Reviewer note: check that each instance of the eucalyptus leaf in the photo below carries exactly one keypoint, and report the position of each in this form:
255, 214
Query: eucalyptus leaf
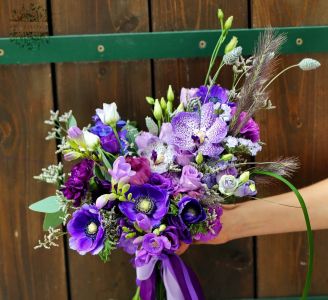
47, 205
132, 133
71, 121
53, 220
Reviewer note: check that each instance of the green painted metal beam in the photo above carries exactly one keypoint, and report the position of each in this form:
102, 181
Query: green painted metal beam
150, 45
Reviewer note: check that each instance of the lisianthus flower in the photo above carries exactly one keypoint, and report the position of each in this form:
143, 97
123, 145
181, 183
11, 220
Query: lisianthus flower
76, 186
142, 168
205, 132
250, 129
82, 139
108, 115
191, 211
85, 228
122, 171
148, 200
246, 189
215, 94
228, 184
190, 179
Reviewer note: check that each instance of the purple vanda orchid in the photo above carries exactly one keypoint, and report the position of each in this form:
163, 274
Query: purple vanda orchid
202, 132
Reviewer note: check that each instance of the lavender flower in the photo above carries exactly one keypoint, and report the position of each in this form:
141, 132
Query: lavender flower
204, 132
148, 200
87, 233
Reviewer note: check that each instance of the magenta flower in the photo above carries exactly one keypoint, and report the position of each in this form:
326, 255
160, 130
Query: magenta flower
250, 129
199, 132
142, 168
121, 170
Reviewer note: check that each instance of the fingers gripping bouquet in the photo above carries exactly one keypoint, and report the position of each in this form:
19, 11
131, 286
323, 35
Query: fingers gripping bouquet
146, 192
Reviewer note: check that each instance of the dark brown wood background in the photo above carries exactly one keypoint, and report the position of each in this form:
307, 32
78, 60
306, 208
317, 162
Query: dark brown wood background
265, 266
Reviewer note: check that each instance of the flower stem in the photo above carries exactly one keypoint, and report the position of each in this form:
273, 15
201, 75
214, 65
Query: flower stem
283, 71
117, 137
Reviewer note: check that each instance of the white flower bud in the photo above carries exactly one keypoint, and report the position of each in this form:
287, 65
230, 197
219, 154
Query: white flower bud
91, 140
108, 115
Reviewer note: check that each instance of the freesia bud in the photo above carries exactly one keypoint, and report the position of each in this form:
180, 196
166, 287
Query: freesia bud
71, 155
156, 231
103, 200
157, 110
220, 14
130, 235
125, 188
244, 177
170, 94
180, 108
108, 115
199, 158
150, 100
228, 23
162, 227
231, 45
91, 140
227, 157
163, 104
169, 107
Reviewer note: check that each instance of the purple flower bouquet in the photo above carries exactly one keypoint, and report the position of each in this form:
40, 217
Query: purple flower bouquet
147, 192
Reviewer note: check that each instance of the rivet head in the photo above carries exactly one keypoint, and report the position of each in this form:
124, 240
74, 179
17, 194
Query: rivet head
202, 44
101, 48
299, 41
2, 52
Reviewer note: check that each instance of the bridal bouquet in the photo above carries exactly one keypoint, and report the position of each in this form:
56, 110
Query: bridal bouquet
146, 192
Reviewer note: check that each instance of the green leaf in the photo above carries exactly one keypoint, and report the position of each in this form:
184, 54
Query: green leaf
47, 205
107, 250
53, 220
308, 280
71, 121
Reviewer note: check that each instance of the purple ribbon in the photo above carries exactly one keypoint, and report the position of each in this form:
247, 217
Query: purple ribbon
180, 281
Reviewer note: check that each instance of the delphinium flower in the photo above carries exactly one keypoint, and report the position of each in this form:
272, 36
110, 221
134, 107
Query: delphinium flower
108, 139
86, 231
214, 94
148, 200
76, 187
199, 132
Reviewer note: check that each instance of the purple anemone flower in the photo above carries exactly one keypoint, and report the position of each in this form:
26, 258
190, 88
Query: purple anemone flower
191, 211
148, 200
205, 131
87, 233
182, 230
215, 94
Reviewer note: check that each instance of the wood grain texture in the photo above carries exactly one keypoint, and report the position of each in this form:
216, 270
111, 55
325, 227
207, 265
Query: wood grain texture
298, 127
84, 87
224, 271
25, 101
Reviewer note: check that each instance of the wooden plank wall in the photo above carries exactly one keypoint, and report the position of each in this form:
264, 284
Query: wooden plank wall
272, 266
